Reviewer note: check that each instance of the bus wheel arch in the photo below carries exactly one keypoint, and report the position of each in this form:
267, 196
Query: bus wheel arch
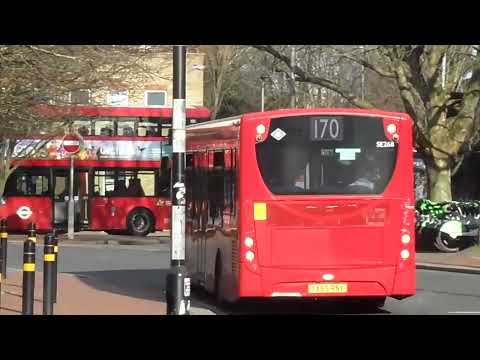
140, 221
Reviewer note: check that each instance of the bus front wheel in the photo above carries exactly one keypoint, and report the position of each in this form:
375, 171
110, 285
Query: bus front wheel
140, 222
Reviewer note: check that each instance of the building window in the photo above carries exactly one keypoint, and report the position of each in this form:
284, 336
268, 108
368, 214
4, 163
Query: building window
117, 98
155, 98
80, 97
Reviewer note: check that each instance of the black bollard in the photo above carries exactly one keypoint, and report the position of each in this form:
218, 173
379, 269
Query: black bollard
29, 271
55, 266
3, 246
48, 274
3, 255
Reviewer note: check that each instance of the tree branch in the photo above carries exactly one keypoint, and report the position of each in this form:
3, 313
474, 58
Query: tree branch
52, 53
302, 76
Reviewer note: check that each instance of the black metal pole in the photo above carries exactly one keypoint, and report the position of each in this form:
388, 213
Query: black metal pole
55, 266
29, 271
178, 282
4, 246
48, 274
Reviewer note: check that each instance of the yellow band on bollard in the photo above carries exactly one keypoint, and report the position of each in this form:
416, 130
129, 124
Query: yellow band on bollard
29, 267
49, 257
55, 249
3, 235
32, 238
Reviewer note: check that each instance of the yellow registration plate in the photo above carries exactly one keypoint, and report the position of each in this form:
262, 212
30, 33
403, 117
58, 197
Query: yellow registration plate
327, 288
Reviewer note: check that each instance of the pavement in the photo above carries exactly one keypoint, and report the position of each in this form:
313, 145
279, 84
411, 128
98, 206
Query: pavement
464, 261
80, 294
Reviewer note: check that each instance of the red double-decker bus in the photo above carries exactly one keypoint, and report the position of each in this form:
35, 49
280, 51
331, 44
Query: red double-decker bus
121, 177
302, 203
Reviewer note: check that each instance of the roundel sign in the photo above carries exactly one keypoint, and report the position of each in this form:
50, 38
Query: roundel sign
24, 212
71, 143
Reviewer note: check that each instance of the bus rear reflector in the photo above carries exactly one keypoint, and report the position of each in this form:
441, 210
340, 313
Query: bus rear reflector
260, 211
288, 294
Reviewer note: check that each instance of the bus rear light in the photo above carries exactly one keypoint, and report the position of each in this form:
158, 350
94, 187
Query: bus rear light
405, 254
248, 242
261, 129
392, 129
405, 239
250, 255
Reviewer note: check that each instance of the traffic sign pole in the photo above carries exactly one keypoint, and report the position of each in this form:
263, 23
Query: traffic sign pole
178, 282
71, 144
71, 202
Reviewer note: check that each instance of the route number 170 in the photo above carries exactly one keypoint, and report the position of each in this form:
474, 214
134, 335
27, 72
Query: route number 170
326, 129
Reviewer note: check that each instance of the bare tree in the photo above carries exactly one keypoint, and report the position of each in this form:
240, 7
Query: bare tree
434, 92
222, 65
32, 76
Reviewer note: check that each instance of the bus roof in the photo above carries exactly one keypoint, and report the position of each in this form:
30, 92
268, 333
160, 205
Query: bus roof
336, 111
164, 112
235, 120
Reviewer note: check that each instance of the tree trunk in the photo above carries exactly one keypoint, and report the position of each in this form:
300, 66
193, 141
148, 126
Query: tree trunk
439, 181
3, 182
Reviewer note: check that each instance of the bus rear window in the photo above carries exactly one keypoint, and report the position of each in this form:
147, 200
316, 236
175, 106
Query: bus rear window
326, 155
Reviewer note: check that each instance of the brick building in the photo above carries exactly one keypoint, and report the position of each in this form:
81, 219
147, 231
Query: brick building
150, 90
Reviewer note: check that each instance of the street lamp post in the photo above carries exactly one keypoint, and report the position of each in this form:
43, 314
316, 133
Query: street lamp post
263, 78
178, 282
293, 63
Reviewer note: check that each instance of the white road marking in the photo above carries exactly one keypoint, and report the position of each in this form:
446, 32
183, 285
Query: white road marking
464, 312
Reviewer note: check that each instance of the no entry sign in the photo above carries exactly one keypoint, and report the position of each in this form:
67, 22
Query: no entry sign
71, 143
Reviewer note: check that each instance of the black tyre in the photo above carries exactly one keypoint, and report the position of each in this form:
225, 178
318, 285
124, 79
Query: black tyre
444, 243
372, 303
140, 222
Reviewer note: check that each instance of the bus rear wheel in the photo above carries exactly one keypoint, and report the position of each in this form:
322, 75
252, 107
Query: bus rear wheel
139, 222
371, 303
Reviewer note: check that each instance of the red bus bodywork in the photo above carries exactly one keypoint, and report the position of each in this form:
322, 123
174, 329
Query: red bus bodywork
104, 212
300, 242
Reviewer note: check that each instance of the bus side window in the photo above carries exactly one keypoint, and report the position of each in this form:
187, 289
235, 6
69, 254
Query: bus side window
189, 181
32, 183
164, 178
216, 187
229, 176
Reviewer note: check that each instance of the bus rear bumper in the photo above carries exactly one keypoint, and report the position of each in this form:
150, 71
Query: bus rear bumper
275, 282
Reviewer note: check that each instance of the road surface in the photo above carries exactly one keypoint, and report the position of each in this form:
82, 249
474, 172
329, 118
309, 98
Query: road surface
139, 271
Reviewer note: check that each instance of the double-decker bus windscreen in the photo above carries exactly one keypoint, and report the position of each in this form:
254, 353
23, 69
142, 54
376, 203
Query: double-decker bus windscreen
326, 155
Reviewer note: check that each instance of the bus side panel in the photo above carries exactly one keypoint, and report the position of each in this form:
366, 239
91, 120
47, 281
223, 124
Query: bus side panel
39, 206
112, 213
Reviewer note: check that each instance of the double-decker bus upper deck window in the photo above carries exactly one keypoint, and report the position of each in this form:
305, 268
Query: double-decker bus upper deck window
148, 127
83, 126
126, 126
104, 126
326, 155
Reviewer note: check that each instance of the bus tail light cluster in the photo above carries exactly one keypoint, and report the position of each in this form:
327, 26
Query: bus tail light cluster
392, 132
406, 240
249, 252
261, 132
